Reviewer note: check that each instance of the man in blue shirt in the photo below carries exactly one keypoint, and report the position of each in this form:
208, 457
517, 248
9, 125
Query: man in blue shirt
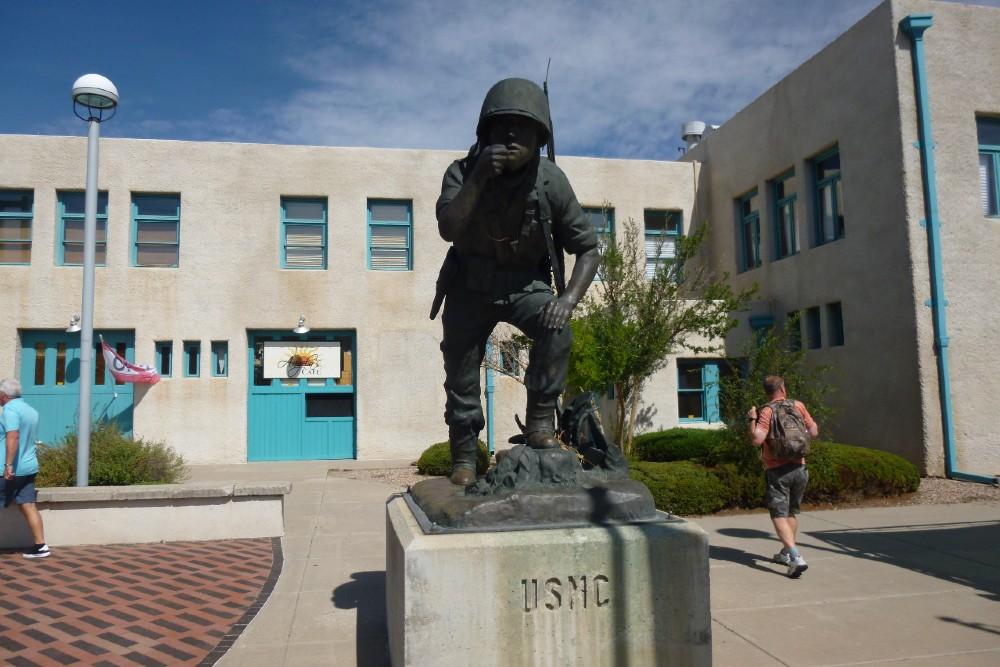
19, 424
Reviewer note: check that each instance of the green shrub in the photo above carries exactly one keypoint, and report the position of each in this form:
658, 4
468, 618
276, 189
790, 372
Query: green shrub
115, 460
681, 487
677, 444
841, 472
837, 473
436, 460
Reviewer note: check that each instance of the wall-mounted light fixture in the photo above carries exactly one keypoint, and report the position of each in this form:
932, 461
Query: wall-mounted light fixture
74, 324
302, 328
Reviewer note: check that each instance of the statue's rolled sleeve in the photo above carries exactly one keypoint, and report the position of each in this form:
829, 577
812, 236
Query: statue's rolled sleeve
450, 185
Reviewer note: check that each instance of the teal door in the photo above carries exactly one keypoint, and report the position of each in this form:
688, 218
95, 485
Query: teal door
50, 380
298, 418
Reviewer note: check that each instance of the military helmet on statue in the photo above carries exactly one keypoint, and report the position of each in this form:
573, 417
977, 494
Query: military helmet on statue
518, 97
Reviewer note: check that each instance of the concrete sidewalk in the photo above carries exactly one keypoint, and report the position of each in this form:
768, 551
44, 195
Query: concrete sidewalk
915, 585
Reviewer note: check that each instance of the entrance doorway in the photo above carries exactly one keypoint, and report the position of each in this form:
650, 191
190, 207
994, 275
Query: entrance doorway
50, 380
301, 403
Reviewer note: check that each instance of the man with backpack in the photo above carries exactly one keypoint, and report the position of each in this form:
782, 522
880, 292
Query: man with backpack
784, 428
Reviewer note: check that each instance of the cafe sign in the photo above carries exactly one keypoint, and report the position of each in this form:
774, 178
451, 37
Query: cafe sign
315, 359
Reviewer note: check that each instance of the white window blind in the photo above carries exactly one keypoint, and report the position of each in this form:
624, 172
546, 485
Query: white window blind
659, 250
390, 247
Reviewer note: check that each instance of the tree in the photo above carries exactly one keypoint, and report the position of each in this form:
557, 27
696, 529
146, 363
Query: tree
629, 324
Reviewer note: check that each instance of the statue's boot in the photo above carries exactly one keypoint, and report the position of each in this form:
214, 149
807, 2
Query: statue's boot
464, 449
539, 421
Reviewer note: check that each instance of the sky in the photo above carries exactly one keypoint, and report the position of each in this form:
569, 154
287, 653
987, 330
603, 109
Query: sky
383, 73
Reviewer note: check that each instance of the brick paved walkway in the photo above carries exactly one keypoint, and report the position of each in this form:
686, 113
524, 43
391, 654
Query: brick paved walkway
178, 603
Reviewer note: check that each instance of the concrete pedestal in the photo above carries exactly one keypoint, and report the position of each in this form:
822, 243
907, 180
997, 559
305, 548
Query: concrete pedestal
606, 595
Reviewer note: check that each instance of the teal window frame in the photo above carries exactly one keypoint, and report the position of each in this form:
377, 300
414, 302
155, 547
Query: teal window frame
62, 217
603, 220
321, 224
655, 240
606, 216
708, 391
988, 136
835, 184
374, 223
760, 325
138, 218
192, 358
749, 223
814, 329
28, 215
784, 205
220, 352
164, 350
835, 324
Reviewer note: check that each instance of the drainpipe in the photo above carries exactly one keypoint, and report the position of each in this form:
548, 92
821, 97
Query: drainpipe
914, 26
490, 388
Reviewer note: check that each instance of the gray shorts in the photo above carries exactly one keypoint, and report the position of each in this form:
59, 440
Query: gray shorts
20, 489
785, 487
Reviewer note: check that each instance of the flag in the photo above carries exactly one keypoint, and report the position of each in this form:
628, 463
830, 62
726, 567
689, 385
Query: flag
123, 371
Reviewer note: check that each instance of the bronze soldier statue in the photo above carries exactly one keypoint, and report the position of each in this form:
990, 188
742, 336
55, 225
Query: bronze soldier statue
509, 216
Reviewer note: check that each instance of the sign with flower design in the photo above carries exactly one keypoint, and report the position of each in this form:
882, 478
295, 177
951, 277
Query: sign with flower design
311, 359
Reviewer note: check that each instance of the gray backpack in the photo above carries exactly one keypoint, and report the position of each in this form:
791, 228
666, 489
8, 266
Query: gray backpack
788, 436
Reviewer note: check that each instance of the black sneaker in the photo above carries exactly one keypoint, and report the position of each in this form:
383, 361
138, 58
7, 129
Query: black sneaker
38, 551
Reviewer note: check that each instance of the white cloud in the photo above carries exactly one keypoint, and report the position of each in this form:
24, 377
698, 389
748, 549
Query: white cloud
624, 75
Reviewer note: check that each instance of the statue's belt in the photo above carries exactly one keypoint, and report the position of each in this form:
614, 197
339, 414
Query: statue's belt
482, 274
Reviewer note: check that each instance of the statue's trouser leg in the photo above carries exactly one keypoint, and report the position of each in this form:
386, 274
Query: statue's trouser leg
548, 363
467, 324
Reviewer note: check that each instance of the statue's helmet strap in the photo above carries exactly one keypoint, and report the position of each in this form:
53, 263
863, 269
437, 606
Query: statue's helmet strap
519, 97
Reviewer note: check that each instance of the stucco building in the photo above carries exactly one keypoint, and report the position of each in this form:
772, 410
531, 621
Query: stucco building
208, 255
210, 252
818, 195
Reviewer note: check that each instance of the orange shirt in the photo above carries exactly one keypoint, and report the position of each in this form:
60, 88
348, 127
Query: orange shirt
764, 422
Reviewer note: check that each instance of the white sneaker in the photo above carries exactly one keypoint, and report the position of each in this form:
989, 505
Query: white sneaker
781, 558
796, 567
37, 552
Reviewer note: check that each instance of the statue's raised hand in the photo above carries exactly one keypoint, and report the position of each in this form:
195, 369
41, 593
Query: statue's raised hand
492, 162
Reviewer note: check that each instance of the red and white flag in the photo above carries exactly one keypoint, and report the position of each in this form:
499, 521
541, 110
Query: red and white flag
123, 371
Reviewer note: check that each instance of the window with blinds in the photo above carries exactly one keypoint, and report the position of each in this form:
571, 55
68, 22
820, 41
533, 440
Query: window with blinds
603, 220
784, 189
390, 235
71, 212
156, 230
16, 212
303, 232
662, 228
748, 219
988, 131
829, 195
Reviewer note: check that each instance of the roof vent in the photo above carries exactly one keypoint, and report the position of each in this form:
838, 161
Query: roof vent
692, 132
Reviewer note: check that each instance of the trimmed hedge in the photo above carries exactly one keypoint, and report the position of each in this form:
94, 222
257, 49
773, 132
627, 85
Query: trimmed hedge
837, 473
115, 460
681, 487
677, 444
436, 460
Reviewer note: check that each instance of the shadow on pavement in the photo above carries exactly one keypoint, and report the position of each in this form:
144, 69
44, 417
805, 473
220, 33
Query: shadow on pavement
985, 627
366, 593
960, 552
942, 550
741, 557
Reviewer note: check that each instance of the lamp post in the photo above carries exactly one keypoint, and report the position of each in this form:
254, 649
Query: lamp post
95, 99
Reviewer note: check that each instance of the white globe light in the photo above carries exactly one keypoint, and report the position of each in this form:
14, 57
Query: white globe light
95, 92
